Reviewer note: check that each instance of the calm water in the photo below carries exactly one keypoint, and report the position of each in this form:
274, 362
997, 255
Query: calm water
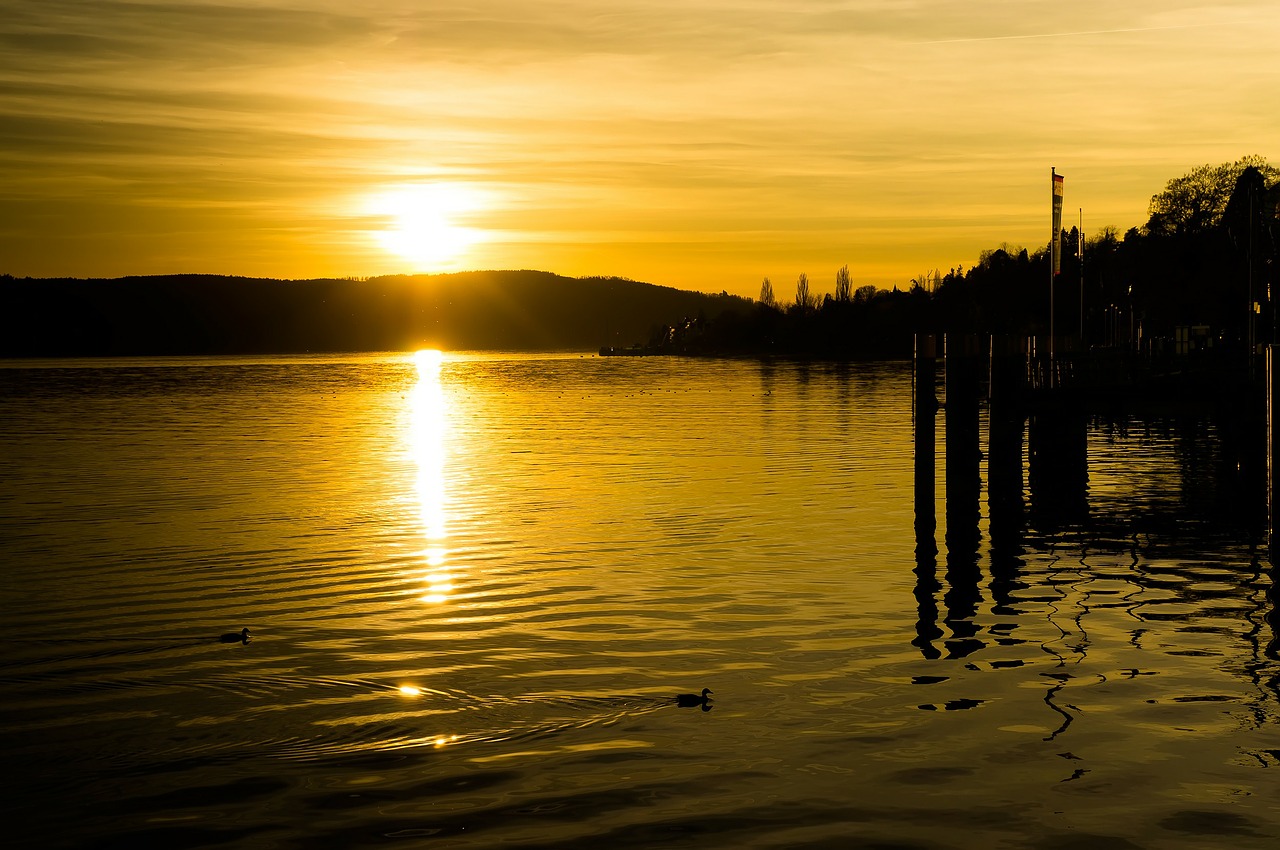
475, 586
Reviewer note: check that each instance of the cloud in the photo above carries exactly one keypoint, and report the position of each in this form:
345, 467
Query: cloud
53, 34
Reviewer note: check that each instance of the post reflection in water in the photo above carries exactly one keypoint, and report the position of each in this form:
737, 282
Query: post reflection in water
429, 424
963, 494
924, 412
1087, 524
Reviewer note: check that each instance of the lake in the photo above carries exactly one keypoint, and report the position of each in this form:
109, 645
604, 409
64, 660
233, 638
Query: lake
475, 583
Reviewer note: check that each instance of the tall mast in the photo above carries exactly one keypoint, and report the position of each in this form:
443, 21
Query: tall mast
1080, 253
1055, 250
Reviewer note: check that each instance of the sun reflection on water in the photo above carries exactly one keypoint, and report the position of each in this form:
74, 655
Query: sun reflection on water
429, 418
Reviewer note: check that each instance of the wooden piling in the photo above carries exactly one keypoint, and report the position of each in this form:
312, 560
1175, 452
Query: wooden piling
1273, 422
963, 455
924, 406
1005, 427
965, 368
924, 411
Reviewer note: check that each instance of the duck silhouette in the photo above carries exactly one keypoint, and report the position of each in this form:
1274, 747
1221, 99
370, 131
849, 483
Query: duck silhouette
694, 700
241, 636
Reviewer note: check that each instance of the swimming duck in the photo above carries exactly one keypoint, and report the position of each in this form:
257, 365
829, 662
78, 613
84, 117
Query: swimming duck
241, 636
693, 700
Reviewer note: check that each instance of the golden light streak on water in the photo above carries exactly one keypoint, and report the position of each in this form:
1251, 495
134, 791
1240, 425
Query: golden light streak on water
429, 429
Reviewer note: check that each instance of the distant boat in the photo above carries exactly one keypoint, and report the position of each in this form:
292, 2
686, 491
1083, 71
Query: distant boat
636, 350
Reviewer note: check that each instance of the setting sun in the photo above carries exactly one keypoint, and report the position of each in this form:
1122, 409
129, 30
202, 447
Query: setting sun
422, 223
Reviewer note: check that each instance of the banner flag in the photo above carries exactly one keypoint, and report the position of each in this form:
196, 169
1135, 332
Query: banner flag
1055, 244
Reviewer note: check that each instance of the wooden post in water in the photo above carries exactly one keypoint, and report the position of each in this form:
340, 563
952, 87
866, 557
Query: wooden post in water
964, 477
1273, 423
1006, 424
924, 406
1007, 375
963, 493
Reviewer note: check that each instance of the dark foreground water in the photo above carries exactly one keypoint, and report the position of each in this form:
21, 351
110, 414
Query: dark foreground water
475, 584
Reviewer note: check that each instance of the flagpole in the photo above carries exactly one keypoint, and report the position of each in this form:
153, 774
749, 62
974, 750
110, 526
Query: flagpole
1053, 247
1080, 251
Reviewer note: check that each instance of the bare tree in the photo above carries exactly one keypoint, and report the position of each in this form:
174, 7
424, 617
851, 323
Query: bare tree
931, 281
766, 294
844, 284
805, 300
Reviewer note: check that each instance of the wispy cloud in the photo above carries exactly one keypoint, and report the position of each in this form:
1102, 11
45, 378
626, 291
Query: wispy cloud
1077, 33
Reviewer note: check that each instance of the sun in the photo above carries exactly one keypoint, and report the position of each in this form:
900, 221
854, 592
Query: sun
422, 223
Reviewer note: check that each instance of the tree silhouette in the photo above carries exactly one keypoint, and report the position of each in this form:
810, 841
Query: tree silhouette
805, 300
1196, 202
766, 294
844, 285
1252, 230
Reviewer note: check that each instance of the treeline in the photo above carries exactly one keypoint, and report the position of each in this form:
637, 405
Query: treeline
851, 324
1206, 259
1201, 270
210, 314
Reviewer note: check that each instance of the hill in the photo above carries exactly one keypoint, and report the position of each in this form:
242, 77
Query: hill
211, 314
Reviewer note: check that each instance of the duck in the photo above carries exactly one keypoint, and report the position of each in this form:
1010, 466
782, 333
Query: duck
241, 636
694, 700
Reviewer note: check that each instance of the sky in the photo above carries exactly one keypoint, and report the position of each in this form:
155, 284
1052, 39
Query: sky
702, 145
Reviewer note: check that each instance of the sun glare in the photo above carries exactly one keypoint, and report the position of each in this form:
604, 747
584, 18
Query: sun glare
429, 408
422, 223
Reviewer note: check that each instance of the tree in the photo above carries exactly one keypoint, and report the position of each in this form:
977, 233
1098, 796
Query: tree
1105, 239
844, 284
766, 294
1252, 234
1196, 202
1245, 215
805, 300
865, 293
930, 281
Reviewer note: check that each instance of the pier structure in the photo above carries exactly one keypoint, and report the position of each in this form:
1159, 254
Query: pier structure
1037, 413
1273, 444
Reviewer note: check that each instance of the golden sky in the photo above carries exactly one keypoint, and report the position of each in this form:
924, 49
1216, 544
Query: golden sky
703, 145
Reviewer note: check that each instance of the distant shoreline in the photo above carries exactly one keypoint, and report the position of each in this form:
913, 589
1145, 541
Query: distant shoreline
180, 315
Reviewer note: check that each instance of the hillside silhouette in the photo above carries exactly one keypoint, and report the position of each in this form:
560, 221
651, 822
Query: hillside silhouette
212, 314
